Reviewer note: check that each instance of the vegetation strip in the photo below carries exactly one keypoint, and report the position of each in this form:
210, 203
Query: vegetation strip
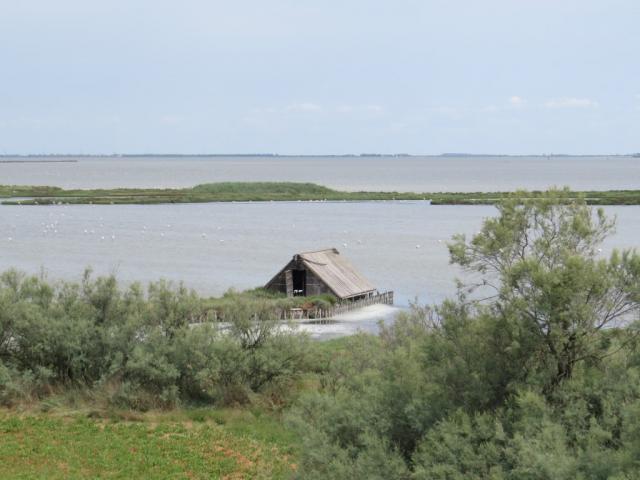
274, 191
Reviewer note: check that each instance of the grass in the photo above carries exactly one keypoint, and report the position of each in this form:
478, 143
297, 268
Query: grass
268, 191
276, 300
191, 443
74, 435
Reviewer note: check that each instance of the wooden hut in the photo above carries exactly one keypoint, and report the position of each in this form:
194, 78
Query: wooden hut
322, 271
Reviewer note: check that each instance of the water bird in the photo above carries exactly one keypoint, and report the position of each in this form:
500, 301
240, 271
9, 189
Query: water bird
204, 235
417, 246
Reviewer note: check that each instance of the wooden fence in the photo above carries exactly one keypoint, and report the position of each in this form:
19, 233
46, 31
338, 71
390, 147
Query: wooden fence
385, 298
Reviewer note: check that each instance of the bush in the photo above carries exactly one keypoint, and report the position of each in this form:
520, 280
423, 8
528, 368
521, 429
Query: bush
141, 351
541, 380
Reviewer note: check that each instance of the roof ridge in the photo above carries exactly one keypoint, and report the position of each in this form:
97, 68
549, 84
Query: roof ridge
335, 250
333, 270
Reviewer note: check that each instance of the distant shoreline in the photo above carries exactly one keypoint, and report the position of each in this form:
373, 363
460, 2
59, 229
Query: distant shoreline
73, 156
271, 192
39, 161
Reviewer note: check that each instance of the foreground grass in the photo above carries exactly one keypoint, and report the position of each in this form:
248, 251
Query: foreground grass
271, 191
73, 434
200, 443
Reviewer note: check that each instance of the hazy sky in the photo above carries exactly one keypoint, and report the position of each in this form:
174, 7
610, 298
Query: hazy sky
325, 76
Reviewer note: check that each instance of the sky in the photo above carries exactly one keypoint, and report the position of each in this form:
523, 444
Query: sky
319, 77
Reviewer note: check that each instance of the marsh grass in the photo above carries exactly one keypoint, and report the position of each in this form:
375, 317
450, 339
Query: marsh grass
271, 191
276, 300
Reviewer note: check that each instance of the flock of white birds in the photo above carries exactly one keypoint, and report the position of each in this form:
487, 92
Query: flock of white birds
55, 227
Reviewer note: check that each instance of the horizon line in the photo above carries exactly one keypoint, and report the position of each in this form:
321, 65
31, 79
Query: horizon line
356, 155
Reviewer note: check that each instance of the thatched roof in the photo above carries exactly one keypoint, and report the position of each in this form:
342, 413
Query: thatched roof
335, 271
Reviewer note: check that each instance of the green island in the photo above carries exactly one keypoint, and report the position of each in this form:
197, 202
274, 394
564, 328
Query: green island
272, 191
540, 380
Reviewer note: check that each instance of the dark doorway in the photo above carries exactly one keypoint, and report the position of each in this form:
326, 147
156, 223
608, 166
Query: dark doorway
299, 283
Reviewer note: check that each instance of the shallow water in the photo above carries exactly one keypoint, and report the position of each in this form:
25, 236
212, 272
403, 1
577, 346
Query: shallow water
419, 173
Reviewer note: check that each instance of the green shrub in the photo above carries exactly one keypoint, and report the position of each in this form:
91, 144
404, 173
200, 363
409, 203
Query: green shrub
140, 350
540, 380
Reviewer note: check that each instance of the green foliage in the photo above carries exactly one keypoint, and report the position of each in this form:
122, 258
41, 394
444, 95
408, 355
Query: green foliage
462, 447
540, 380
552, 292
140, 350
263, 188
260, 298
276, 191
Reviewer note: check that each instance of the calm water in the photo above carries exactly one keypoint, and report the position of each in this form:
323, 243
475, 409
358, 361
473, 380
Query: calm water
211, 247
422, 174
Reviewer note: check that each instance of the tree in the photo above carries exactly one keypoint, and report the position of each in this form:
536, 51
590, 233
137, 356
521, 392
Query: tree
540, 258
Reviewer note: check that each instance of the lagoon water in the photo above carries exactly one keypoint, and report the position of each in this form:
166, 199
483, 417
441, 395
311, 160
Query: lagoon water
211, 247
399, 246
415, 173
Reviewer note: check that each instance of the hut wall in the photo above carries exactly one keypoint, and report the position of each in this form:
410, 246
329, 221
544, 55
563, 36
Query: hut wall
314, 286
279, 283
